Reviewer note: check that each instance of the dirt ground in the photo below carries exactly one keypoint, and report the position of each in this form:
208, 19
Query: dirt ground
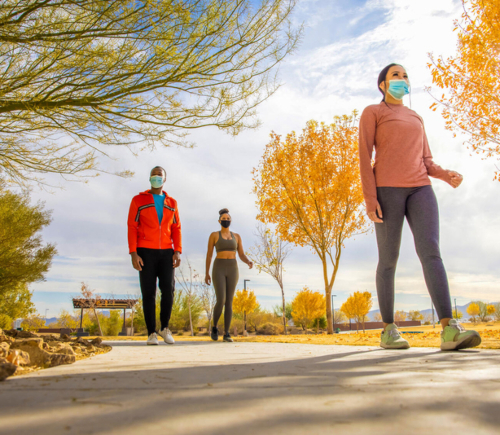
423, 336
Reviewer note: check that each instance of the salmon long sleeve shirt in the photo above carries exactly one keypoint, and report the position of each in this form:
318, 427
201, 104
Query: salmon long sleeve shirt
402, 154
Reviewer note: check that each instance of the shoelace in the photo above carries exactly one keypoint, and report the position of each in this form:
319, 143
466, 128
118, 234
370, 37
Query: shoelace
394, 333
458, 326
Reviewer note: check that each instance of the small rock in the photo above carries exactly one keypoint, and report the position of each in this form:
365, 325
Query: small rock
6, 369
96, 341
20, 334
81, 340
4, 349
6, 339
18, 357
65, 337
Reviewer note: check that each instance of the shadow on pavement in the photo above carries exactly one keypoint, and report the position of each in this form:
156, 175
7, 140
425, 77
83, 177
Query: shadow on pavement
351, 388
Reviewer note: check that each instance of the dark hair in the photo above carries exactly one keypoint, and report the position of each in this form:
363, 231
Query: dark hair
383, 75
223, 211
159, 167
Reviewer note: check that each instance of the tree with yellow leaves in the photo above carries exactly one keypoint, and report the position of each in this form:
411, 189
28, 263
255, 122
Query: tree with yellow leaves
415, 315
308, 186
244, 303
471, 79
307, 306
473, 311
490, 309
357, 307
111, 72
400, 316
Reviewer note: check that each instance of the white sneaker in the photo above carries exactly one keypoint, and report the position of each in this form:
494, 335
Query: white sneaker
167, 336
152, 339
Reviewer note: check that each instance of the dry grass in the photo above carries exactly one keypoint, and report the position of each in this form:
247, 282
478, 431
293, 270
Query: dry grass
430, 337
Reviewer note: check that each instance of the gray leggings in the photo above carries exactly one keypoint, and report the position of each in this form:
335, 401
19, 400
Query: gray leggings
420, 207
225, 276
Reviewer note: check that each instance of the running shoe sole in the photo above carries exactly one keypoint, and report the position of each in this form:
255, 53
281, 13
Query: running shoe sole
465, 343
397, 346
228, 340
152, 344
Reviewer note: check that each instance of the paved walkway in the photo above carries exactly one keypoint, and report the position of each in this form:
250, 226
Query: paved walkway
258, 388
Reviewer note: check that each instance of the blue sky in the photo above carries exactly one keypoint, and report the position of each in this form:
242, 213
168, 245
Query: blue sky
346, 43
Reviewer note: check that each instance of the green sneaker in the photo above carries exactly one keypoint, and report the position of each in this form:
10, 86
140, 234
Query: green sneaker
455, 337
391, 338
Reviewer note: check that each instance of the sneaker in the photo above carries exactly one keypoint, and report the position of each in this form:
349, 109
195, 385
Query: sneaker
455, 337
391, 338
167, 336
214, 335
152, 339
227, 337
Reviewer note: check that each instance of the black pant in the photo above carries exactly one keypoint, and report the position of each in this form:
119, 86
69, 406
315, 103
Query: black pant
158, 265
419, 206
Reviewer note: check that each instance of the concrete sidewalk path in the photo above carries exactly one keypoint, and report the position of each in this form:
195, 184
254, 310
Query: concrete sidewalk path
220, 388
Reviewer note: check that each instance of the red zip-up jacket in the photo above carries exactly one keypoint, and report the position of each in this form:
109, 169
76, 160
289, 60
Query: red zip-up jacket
144, 230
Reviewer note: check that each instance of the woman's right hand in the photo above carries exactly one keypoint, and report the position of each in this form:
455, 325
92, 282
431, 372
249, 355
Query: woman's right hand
208, 280
373, 215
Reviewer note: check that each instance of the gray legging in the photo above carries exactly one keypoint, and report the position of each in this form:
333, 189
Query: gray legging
420, 207
225, 277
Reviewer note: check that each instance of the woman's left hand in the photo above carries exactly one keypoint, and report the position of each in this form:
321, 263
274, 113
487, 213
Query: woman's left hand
456, 178
250, 264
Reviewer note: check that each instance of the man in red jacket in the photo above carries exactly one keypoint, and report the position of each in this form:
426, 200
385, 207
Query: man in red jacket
154, 239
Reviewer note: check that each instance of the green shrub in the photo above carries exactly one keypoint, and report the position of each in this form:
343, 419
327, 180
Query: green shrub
270, 329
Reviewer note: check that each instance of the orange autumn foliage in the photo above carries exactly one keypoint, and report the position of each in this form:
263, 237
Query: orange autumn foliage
472, 79
309, 187
357, 307
307, 306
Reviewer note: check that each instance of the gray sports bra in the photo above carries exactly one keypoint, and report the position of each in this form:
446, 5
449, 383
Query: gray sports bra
226, 245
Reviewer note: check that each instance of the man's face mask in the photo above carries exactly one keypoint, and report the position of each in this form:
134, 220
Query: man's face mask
156, 181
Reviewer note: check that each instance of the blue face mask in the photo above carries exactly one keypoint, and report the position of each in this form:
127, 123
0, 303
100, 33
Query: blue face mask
156, 181
398, 89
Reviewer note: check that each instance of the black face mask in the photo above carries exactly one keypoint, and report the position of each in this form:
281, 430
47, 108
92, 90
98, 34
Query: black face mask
225, 224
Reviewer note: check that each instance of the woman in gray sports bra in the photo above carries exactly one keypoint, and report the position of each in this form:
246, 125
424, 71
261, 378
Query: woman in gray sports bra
225, 271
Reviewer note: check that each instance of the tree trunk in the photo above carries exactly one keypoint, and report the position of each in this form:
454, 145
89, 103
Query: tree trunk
284, 316
317, 325
98, 323
245, 319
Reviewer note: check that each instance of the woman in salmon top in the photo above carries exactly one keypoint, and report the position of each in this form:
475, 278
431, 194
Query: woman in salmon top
398, 186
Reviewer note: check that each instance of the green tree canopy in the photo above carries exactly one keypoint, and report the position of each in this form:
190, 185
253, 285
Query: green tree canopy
24, 258
77, 75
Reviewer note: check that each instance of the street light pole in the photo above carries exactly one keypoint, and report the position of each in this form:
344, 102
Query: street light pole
456, 312
245, 284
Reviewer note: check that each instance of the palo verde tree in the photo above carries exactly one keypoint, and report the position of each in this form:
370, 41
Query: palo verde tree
78, 75
471, 79
268, 255
309, 187
24, 258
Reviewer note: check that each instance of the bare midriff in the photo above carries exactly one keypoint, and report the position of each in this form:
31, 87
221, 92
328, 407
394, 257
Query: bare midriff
226, 255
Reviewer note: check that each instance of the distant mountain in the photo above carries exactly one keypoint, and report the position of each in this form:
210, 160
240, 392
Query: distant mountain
460, 308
